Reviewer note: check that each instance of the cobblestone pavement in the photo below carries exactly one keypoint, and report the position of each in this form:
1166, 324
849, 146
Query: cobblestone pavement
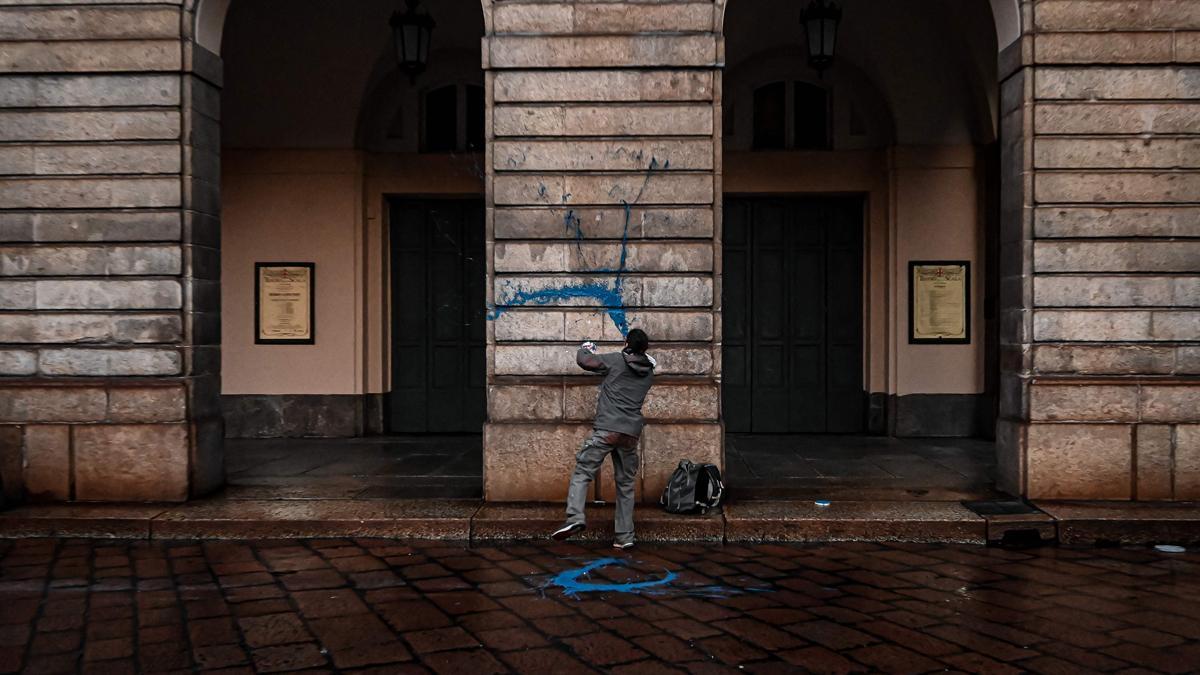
398, 607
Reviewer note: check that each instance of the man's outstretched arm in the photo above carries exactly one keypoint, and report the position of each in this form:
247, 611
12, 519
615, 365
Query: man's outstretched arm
588, 359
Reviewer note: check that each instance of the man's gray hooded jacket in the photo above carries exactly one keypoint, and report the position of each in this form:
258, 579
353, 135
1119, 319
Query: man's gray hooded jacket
627, 378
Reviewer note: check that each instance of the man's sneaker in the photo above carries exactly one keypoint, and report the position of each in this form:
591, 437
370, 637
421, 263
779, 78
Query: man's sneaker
621, 546
566, 531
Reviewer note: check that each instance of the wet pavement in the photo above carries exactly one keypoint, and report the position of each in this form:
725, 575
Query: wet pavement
811, 466
394, 606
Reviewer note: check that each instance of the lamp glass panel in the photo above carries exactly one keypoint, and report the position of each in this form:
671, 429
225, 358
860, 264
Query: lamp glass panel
813, 28
829, 30
411, 42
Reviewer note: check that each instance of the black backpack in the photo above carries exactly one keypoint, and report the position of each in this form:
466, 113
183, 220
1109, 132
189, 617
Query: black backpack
693, 488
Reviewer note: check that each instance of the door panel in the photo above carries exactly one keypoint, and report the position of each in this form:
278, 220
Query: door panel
792, 312
437, 317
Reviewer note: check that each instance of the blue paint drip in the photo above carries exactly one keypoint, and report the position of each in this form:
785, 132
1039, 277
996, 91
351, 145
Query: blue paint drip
571, 585
609, 298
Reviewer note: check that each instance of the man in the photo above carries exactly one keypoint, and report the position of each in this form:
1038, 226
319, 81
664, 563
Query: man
628, 375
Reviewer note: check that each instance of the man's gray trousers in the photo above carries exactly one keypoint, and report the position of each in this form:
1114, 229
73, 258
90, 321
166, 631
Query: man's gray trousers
587, 464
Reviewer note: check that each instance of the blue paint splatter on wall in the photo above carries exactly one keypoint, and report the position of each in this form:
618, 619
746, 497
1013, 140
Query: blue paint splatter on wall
607, 295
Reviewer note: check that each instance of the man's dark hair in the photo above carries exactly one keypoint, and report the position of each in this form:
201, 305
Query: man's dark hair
636, 341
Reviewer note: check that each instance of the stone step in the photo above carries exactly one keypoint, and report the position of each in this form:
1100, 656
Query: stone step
1090, 523
794, 520
1076, 523
501, 522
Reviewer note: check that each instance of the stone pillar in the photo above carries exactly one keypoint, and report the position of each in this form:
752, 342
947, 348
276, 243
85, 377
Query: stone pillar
602, 214
107, 267
1104, 397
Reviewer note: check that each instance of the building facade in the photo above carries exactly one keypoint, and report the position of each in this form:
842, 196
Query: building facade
562, 171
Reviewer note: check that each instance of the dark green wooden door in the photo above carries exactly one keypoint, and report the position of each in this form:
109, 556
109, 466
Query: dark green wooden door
437, 272
792, 311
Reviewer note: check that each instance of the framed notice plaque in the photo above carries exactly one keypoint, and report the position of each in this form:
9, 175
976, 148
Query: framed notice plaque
283, 303
939, 302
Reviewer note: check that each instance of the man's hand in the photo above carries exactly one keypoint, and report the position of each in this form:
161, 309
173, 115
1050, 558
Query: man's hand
589, 347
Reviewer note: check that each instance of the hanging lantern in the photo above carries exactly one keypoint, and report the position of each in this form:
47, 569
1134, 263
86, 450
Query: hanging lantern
411, 31
820, 21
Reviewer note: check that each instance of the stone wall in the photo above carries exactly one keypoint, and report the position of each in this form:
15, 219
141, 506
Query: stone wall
1101, 134
109, 333
603, 182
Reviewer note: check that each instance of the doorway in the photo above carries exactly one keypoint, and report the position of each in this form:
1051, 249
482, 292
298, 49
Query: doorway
792, 306
437, 328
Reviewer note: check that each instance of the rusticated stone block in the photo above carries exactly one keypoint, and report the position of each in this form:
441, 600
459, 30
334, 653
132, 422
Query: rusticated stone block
1158, 221
533, 18
603, 85
1092, 153
89, 226
599, 51
88, 23
1091, 326
658, 188
52, 404
91, 126
1106, 47
93, 90
1100, 188
598, 17
529, 462
96, 362
90, 56
663, 445
48, 462
1143, 256
17, 295
1081, 403
516, 325
18, 362
674, 326
147, 404
76, 328
1187, 461
104, 159
131, 462
1170, 403
85, 193
677, 292
513, 359
1187, 360
1181, 326
615, 120
1079, 461
1088, 15
1153, 461
589, 257
1103, 360
602, 223
1116, 118
1116, 83
1114, 291
525, 403
109, 294
608, 155
664, 403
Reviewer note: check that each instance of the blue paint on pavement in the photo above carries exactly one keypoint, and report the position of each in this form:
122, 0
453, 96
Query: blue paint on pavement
571, 585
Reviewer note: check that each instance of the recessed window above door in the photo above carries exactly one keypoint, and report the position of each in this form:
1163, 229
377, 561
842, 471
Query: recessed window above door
452, 118
801, 123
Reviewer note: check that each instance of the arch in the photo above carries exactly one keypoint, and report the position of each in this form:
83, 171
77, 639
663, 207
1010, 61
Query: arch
1006, 17
210, 22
